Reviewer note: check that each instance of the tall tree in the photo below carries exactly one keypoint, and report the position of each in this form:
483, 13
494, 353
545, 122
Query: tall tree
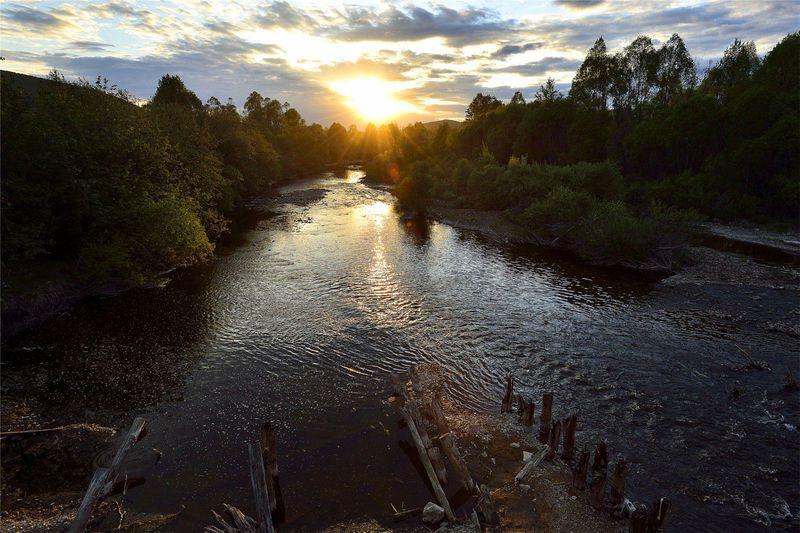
676, 72
548, 92
517, 99
592, 82
738, 64
482, 104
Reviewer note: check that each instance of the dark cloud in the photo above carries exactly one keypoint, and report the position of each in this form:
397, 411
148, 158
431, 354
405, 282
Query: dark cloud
541, 67
413, 23
89, 46
579, 4
511, 49
28, 19
282, 14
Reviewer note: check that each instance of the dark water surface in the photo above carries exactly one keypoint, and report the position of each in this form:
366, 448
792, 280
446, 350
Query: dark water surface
302, 320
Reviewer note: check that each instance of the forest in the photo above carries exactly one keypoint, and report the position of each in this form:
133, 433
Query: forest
621, 168
125, 191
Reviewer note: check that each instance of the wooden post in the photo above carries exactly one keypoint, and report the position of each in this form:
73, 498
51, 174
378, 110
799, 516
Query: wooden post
599, 473
569, 438
105, 477
545, 418
579, 474
527, 410
258, 483
555, 437
507, 399
269, 454
640, 519
618, 482
406, 410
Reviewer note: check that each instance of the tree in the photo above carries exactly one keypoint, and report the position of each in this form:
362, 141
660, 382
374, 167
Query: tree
738, 64
548, 92
482, 104
676, 72
634, 74
592, 82
172, 91
517, 99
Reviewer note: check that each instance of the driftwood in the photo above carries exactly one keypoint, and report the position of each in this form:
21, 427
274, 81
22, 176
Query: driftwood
531, 464
269, 455
599, 472
399, 516
505, 407
545, 418
579, 473
104, 479
239, 522
555, 437
409, 409
569, 426
258, 483
618, 482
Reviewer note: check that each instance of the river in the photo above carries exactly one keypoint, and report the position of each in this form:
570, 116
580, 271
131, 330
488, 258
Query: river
319, 296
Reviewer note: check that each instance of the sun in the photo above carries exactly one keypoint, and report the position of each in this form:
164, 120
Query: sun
372, 98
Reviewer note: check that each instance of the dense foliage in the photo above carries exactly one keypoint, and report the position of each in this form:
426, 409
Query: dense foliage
604, 168
125, 191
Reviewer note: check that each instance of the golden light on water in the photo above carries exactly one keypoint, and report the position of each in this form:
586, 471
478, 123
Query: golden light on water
373, 98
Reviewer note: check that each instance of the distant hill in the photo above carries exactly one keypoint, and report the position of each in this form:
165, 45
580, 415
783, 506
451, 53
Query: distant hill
436, 124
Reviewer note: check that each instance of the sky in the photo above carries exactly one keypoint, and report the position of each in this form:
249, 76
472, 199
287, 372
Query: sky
352, 62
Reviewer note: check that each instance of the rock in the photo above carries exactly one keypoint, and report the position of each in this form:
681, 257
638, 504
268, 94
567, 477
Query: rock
432, 514
515, 444
526, 456
524, 487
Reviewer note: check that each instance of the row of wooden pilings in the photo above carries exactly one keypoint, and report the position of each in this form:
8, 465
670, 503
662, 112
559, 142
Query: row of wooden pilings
561, 433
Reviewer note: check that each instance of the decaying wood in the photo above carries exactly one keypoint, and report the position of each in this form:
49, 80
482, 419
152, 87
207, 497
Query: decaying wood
258, 483
618, 482
409, 406
485, 504
105, 477
599, 472
526, 411
507, 399
555, 437
568, 427
579, 473
431, 450
640, 519
402, 515
269, 454
658, 515
530, 465
449, 446
239, 522
545, 418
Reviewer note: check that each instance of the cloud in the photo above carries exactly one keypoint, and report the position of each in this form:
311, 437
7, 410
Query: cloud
281, 14
413, 23
579, 4
21, 19
541, 67
89, 46
511, 49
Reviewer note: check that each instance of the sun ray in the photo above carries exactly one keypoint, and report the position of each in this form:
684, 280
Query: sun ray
373, 98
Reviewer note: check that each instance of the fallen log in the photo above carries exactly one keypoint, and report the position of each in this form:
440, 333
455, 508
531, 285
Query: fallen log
105, 478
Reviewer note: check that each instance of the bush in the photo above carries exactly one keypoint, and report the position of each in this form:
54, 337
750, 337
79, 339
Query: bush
562, 208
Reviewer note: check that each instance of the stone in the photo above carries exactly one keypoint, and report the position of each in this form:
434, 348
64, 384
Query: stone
526, 456
432, 514
515, 444
524, 487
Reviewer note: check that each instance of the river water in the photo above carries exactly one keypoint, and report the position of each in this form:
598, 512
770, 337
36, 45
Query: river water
320, 295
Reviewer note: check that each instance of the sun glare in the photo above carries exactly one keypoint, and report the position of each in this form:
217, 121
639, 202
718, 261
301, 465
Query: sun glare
372, 98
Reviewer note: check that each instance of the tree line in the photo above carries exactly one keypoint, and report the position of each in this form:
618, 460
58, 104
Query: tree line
638, 136
124, 191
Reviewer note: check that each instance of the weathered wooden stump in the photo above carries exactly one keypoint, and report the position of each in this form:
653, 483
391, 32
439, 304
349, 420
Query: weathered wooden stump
568, 427
505, 407
599, 473
658, 515
545, 418
618, 482
555, 437
527, 410
580, 471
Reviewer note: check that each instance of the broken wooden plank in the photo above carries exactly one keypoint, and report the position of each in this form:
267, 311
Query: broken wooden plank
258, 483
104, 477
530, 465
